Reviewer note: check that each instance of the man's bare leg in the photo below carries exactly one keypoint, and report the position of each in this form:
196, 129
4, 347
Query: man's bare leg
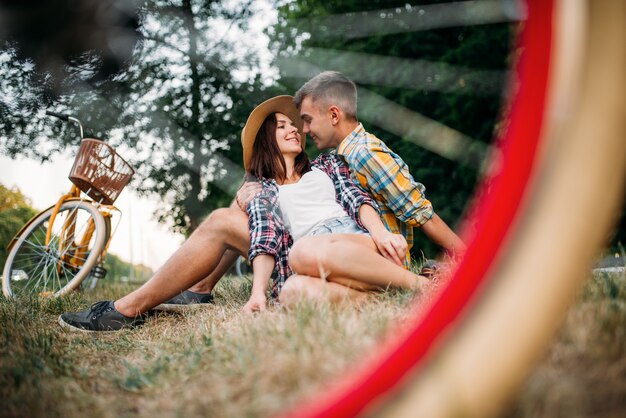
207, 284
197, 259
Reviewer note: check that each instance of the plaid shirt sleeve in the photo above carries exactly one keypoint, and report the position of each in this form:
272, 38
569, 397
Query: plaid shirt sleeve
262, 219
391, 183
268, 234
347, 193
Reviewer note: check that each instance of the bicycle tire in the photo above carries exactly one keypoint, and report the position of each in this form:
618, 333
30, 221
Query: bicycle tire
33, 269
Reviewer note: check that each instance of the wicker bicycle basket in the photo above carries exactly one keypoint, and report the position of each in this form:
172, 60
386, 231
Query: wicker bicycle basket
99, 171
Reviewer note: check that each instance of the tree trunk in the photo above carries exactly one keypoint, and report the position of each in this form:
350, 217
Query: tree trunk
193, 206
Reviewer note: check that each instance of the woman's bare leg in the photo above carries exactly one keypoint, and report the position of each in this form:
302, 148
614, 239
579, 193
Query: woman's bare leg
196, 259
299, 287
352, 260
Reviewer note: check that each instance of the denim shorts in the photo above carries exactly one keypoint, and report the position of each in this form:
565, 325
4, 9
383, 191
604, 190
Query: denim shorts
343, 225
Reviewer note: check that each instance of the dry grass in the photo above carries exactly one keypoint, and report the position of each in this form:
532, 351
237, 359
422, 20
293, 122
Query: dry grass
212, 362
584, 372
217, 362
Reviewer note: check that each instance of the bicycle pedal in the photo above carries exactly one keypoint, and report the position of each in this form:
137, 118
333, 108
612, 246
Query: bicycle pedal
99, 272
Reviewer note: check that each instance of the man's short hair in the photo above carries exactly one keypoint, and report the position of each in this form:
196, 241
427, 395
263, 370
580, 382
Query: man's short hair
330, 88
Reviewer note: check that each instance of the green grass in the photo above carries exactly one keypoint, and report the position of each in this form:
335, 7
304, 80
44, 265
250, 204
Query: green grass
218, 362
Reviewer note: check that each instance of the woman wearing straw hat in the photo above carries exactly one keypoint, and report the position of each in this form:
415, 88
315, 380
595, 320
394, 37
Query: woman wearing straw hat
301, 201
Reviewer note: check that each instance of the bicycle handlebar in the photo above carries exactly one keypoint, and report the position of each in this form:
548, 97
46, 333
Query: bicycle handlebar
62, 116
65, 117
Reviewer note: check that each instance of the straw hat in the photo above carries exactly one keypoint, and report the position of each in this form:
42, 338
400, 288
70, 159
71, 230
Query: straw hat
281, 104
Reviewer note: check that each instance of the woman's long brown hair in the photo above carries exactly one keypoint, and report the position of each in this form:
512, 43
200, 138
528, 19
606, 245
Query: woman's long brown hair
267, 161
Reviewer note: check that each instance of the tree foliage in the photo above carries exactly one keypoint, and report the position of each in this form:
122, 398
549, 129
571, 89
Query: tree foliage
184, 107
15, 211
120, 270
178, 108
83, 31
176, 112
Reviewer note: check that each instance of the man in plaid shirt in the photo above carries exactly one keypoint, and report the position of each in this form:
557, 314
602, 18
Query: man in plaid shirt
327, 105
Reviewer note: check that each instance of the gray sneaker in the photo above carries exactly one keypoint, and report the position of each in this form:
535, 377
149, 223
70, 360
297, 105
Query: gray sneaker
101, 316
185, 300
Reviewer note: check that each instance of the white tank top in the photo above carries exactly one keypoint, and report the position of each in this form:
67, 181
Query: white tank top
308, 203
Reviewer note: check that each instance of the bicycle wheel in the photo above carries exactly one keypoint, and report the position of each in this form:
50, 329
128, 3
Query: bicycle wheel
77, 239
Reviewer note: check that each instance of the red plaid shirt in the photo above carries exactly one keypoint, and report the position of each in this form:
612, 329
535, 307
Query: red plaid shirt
268, 233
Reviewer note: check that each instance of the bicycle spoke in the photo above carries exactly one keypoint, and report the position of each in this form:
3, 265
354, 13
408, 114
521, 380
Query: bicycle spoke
35, 285
39, 272
55, 275
71, 241
26, 261
40, 251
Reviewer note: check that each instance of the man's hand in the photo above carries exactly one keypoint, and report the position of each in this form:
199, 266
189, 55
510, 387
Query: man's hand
392, 246
246, 193
257, 303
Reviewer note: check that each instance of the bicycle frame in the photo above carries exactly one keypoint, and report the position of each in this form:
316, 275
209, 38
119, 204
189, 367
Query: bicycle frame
66, 241
106, 211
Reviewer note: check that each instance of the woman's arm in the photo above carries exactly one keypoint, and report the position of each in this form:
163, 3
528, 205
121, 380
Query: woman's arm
391, 246
268, 237
264, 224
262, 267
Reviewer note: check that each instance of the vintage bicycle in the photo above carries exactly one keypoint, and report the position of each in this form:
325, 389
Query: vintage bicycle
63, 247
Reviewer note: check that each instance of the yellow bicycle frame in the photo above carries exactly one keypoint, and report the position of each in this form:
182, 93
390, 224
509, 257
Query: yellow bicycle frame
68, 229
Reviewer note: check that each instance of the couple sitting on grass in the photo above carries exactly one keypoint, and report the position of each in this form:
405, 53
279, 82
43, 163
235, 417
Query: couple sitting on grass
335, 228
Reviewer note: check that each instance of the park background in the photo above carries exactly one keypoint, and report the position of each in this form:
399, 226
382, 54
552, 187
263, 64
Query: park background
171, 87
189, 72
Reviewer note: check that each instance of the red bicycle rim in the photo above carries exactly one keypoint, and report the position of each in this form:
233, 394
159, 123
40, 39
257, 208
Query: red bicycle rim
494, 216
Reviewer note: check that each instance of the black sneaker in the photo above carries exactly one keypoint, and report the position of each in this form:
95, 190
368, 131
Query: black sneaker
102, 316
185, 300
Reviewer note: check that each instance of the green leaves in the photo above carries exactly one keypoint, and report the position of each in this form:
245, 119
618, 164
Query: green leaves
15, 211
176, 112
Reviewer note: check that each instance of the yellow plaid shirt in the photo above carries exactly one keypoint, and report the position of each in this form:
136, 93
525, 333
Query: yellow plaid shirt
384, 175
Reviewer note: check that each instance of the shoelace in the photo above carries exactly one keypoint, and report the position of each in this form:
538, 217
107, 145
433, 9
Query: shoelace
100, 308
